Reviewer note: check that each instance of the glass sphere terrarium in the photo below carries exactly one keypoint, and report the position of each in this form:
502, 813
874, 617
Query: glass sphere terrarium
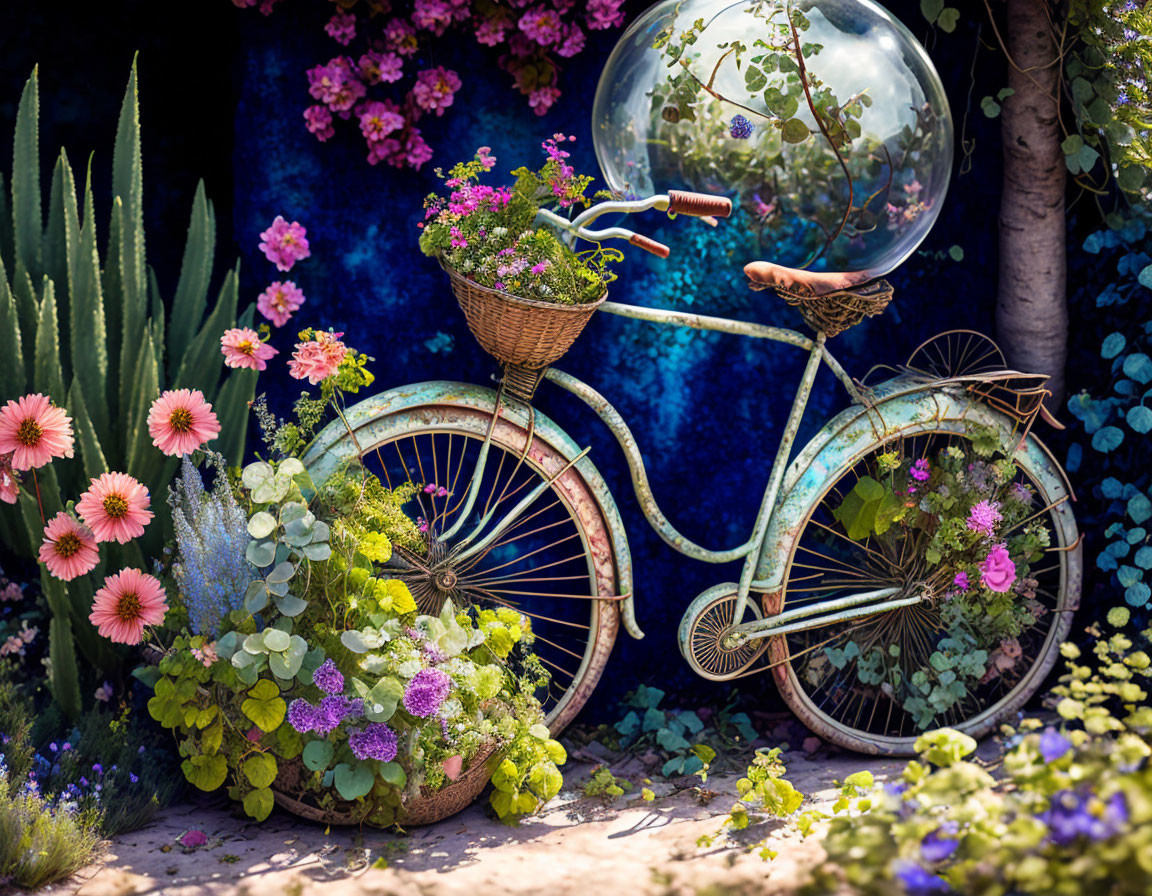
823, 120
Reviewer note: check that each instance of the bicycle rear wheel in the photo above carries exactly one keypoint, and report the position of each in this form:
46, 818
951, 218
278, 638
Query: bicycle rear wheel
820, 676
555, 563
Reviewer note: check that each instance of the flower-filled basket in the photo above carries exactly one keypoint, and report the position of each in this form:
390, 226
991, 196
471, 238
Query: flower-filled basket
526, 294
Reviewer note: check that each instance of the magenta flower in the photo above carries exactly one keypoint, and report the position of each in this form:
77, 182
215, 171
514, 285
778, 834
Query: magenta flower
984, 516
961, 581
192, 839
284, 244
336, 85
458, 241
386, 150
279, 300
919, 469
378, 120
541, 99
437, 15
426, 691
998, 572
484, 156
543, 25
416, 150
377, 68
602, 14
318, 120
435, 89
573, 42
400, 37
341, 27
491, 32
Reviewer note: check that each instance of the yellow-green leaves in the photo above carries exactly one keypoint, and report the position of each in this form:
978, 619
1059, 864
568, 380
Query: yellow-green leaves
264, 706
944, 746
205, 772
258, 803
259, 769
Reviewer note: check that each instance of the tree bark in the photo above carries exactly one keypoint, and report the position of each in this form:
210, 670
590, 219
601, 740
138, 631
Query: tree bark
1031, 306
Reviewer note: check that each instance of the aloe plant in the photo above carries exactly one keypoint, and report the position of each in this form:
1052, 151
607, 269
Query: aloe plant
95, 334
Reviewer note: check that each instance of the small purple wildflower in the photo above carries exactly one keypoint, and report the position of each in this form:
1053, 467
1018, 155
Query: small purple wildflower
328, 678
1053, 745
961, 581
426, 691
984, 516
939, 844
918, 881
920, 471
375, 741
1071, 817
740, 127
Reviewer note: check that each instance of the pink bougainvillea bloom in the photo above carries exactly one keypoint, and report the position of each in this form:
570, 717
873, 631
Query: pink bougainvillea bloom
319, 358
998, 572
318, 120
279, 300
603, 14
378, 120
33, 431
115, 508
376, 68
400, 37
69, 549
180, 421
984, 516
284, 244
416, 150
491, 32
435, 89
573, 42
541, 99
484, 157
128, 601
242, 347
9, 484
432, 15
337, 85
386, 150
543, 25
341, 27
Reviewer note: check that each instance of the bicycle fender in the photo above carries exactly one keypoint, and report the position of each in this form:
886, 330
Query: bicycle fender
323, 455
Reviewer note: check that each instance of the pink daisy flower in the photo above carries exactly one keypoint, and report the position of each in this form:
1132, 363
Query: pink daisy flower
242, 347
129, 600
180, 421
115, 508
279, 300
33, 431
9, 484
284, 244
319, 358
69, 548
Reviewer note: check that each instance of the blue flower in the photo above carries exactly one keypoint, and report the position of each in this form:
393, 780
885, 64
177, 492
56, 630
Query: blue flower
918, 881
1073, 815
1053, 745
939, 844
741, 127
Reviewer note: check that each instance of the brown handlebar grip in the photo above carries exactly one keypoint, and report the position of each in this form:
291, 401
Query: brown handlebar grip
649, 245
698, 205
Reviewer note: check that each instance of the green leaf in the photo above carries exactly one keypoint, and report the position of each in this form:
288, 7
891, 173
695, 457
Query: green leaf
317, 755
191, 300
260, 769
948, 18
47, 377
260, 553
290, 605
794, 131
393, 773
1107, 439
262, 524
128, 187
231, 407
60, 238
1139, 508
207, 772
353, 782
202, 362
1140, 419
382, 699
141, 457
282, 572
1113, 344
264, 706
1138, 367
956, 253
91, 453
276, 640
27, 219
87, 329
12, 368
258, 803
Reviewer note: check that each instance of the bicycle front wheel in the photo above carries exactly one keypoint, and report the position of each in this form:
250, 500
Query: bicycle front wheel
874, 684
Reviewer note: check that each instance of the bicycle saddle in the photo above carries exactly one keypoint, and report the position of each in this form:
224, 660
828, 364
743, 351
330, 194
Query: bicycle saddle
767, 275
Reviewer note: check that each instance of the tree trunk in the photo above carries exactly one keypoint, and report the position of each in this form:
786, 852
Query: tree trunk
1031, 306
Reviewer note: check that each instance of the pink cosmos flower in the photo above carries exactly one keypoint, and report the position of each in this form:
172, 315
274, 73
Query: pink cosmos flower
242, 347
279, 300
541, 99
983, 517
115, 508
180, 421
378, 120
998, 572
284, 244
128, 601
318, 120
9, 484
69, 549
341, 27
435, 89
33, 431
319, 358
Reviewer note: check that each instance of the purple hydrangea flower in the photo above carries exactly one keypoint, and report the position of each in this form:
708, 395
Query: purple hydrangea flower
328, 678
939, 844
426, 691
331, 712
302, 716
918, 881
741, 128
1071, 817
1053, 745
375, 741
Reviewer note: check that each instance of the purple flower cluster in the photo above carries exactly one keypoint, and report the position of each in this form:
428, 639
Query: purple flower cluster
919, 881
326, 717
1072, 816
740, 127
328, 678
426, 692
984, 516
374, 741
1053, 745
939, 844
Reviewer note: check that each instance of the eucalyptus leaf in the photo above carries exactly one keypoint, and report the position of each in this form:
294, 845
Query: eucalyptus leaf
261, 553
290, 605
262, 524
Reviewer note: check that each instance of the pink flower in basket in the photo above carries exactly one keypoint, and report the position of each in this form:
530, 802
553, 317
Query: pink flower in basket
998, 571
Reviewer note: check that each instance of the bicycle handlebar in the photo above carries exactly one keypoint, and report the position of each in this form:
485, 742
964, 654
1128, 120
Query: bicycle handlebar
649, 245
699, 205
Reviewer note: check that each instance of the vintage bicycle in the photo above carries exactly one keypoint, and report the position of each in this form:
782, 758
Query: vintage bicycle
517, 514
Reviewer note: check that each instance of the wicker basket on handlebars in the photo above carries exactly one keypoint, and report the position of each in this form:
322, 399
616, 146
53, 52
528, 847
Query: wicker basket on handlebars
520, 332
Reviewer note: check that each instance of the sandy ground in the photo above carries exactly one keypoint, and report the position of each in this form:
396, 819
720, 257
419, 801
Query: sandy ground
578, 845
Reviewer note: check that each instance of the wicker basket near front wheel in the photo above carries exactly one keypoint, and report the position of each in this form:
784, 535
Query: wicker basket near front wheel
521, 332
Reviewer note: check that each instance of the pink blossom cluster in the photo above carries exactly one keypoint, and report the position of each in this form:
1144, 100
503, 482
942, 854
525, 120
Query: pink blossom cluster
531, 36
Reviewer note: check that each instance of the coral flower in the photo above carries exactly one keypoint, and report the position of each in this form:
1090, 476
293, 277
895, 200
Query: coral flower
9, 484
242, 347
180, 421
319, 358
34, 431
129, 600
69, 549
279, 300
115, 508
